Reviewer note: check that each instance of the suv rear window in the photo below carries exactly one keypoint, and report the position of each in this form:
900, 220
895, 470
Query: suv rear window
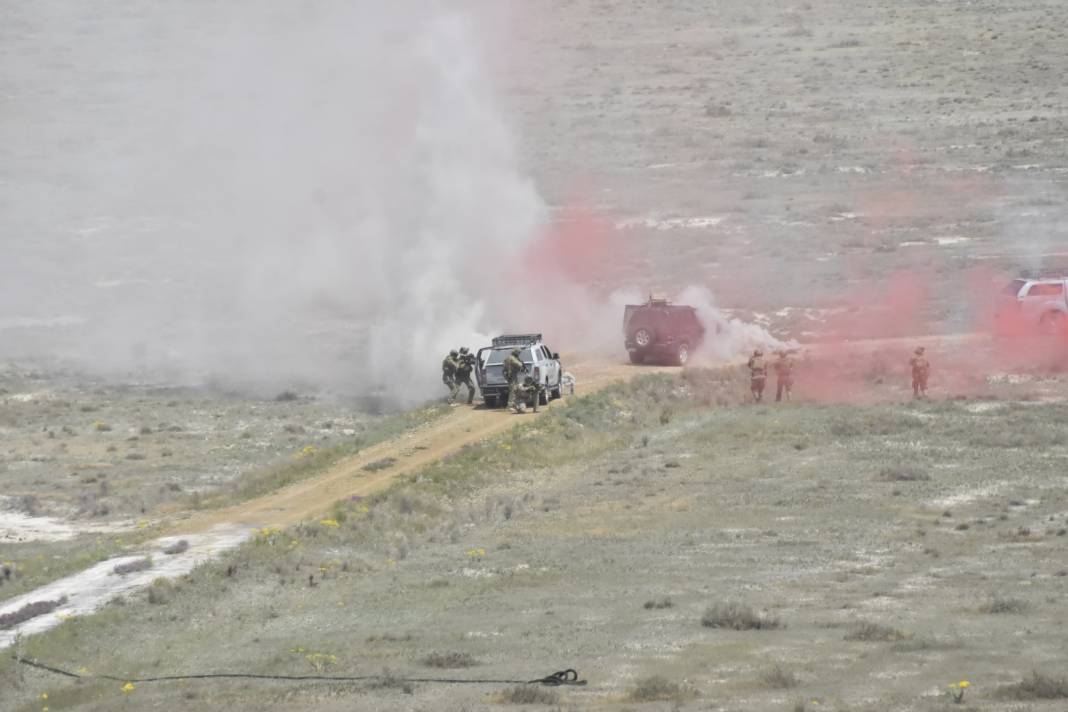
1048, 289
497, 356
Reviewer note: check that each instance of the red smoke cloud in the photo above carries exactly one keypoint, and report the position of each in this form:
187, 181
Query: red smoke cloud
560, 283
578, 246
862, 352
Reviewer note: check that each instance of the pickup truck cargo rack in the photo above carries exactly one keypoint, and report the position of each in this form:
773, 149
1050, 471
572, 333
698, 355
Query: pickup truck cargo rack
516, 340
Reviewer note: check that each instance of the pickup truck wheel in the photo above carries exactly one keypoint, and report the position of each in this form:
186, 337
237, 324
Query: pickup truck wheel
543, 397
636, 357
555, 392
643, 337
490, 401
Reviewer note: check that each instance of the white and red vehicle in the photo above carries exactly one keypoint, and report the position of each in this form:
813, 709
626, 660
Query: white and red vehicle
1040, 302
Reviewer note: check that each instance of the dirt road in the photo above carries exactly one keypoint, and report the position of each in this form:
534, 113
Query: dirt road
394, 458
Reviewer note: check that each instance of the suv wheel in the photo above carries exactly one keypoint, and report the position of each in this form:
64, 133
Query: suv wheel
643, 337
682, 354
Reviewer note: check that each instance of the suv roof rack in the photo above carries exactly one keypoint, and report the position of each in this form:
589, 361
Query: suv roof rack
516, 340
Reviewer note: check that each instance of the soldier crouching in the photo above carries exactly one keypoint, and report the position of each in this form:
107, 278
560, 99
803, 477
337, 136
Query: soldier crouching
532, 392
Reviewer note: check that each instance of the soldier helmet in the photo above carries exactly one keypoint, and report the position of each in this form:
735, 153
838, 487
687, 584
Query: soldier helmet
919, 350
516, 352
463, 349
453, 353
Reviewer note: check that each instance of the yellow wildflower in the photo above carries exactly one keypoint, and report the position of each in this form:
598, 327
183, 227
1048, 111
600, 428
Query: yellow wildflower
963, 683
44, 695
307, 451
476, 553
330, 523
128, 688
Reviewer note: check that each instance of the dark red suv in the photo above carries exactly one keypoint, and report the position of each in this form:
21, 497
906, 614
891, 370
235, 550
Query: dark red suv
661, 331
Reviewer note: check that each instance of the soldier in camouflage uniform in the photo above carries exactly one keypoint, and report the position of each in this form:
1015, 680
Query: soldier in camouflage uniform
464, 364
448, 374
511, 368
758, 375
921, 369
532, 391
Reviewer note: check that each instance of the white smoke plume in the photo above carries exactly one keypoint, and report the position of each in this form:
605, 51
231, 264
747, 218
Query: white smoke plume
726, 339
257, 191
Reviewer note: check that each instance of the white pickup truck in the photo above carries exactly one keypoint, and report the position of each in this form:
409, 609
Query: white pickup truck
539, 362
1042, 302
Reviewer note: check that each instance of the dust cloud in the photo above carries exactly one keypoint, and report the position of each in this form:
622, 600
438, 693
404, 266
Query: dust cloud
258, 193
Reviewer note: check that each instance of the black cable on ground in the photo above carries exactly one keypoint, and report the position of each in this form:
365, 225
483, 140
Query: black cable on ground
563, 677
